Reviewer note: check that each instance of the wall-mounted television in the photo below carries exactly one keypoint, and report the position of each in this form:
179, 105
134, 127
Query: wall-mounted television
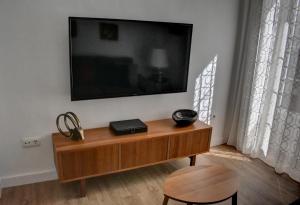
117, 58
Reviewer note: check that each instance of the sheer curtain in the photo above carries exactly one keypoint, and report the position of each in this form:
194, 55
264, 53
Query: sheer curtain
267, 119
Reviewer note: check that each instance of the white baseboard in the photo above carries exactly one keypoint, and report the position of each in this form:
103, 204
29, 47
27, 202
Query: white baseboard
28, 178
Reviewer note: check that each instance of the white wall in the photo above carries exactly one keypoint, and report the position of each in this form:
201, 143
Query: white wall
34, 72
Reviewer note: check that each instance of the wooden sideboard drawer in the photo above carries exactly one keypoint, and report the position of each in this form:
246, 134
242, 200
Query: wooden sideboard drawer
187, 144
87, 162
144, 152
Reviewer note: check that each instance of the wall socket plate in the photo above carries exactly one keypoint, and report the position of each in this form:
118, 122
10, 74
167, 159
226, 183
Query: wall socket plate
31, 142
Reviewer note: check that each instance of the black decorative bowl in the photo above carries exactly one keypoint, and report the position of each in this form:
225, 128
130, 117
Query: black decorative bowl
184, 117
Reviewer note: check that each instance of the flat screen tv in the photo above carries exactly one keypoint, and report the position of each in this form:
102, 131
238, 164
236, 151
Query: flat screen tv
116, 58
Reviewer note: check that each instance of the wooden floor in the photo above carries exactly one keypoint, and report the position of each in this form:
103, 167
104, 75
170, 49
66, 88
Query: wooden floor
259, 185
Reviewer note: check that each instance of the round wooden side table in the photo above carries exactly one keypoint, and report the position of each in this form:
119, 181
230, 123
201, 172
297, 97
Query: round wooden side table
205, 184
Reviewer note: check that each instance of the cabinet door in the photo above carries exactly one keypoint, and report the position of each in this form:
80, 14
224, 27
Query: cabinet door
144, 152
88, 162
189, 143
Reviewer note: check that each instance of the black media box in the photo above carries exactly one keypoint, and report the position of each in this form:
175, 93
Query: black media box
128, 126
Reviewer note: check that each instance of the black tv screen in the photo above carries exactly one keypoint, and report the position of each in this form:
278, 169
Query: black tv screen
116, 58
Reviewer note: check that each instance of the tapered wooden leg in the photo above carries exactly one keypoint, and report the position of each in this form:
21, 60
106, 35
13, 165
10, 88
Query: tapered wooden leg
192, 160
82, 188
166, 199
234, 199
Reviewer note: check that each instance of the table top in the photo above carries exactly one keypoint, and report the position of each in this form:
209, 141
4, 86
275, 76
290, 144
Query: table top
201, 184
104, 136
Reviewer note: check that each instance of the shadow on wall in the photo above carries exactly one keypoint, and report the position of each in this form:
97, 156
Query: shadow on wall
204, 91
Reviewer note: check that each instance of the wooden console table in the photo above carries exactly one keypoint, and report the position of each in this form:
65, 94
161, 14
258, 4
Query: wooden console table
102, 152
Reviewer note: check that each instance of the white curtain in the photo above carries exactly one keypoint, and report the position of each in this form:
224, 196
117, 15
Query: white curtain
268, 122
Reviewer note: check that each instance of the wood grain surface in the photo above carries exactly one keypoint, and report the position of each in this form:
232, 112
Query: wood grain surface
102, 152
201, 184
103, 136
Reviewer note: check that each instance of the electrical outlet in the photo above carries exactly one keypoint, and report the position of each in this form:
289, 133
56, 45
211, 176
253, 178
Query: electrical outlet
31, 142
